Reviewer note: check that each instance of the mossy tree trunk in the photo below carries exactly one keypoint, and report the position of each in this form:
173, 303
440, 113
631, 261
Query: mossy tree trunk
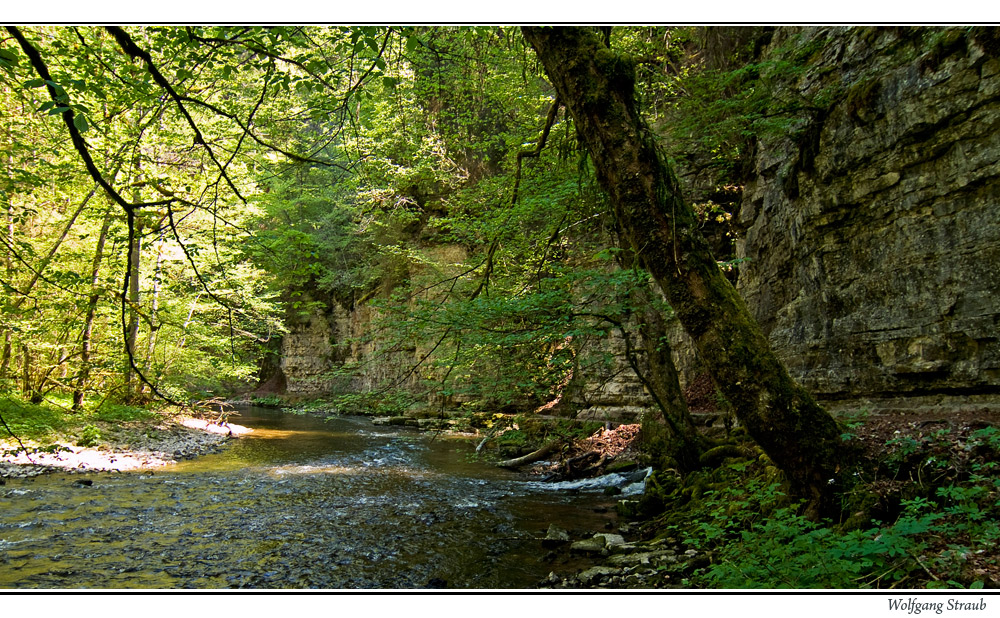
598, 88
661, 378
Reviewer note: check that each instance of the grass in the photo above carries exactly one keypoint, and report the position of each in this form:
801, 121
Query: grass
50, 421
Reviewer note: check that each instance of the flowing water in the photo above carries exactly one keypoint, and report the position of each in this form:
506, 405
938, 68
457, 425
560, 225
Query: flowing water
299, 503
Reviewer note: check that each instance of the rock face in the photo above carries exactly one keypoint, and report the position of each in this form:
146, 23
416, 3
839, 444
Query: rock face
320, 344
306, 355
610, 390
872, 232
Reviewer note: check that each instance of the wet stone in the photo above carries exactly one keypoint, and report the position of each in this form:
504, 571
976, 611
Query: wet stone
587, 546
642, 558
611, 541
555, 536
595, 574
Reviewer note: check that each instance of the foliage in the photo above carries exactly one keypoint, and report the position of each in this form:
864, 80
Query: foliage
942, 536
89, 436
330, 167
115, 413
28, 420
391, 403
48, 420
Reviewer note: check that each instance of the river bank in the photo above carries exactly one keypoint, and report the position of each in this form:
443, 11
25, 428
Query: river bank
131, 446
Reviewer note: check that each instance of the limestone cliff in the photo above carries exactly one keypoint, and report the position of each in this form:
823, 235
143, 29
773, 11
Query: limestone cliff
872, 231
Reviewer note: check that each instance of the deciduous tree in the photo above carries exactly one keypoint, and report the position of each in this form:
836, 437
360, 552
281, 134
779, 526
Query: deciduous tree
598, 87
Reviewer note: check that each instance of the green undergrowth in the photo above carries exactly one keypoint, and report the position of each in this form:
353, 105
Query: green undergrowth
267, 401
52, 421
923, 515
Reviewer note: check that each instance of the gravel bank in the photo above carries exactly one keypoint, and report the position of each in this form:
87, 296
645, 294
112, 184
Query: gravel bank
129, 448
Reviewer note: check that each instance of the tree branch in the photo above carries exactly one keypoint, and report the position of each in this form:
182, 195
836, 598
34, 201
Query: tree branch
129, 47
69, 118
549, 121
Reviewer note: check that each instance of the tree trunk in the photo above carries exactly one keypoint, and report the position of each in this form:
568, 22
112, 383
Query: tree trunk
8, 258
88, 325
664, 382
9, 263
52, 251
660, 378
154, 307
29, 389
598, 89
132, 382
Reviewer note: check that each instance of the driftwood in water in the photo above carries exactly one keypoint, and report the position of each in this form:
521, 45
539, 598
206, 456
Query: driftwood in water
531, 457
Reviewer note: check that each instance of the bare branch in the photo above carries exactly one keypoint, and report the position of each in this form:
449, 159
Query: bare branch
537, 150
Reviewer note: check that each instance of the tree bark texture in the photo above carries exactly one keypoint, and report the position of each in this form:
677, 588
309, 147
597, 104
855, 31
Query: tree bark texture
598, 88
154, 307
5, 356
133, 386
660, 378
88, 325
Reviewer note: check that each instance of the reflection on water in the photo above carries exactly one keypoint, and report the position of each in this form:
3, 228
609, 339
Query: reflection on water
300, 503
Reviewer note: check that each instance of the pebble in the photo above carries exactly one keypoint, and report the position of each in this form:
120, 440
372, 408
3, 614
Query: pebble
659, 563
142, 449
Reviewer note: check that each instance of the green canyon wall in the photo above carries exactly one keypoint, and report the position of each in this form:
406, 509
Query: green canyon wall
870, 231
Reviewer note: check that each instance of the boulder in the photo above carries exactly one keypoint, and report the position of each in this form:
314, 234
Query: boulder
594, 545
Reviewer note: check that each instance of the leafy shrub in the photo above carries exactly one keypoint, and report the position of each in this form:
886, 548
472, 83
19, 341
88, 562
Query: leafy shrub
944, 535
89, 436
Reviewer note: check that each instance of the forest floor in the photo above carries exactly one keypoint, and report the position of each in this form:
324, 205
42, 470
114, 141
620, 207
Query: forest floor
922, 513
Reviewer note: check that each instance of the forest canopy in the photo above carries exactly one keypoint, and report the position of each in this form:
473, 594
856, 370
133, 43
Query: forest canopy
172, 190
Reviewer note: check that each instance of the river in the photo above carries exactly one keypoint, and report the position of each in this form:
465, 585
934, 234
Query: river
299, 503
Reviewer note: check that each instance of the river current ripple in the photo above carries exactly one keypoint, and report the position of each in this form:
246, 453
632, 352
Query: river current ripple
300, 503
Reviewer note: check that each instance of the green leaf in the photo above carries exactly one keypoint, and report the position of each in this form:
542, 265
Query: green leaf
34, 83
80, 122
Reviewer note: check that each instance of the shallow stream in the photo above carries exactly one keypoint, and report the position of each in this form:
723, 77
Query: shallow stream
299, 503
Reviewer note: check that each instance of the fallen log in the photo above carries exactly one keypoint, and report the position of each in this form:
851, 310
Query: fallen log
531, 457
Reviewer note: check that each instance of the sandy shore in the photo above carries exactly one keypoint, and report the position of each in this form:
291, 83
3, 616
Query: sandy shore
132, 448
